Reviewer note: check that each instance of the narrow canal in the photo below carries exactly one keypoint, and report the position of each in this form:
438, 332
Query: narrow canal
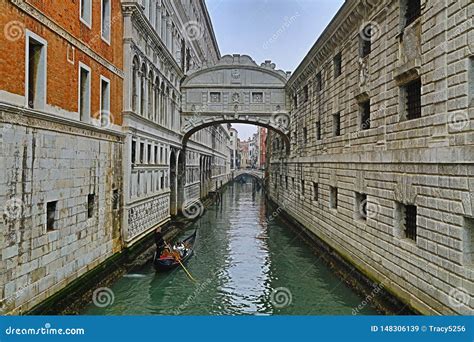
243, 265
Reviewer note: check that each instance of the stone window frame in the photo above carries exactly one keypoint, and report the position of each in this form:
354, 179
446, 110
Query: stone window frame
54, 220
254, 94
468, 241
315, 191
336, 129
87, 21
403, 98
360, 206
365, 41
404, 9
363, 115
103, 21
41, 89
91, 202
337, 64
103, 80
333, 200
400, 228
219, 97
84, 117
318, 132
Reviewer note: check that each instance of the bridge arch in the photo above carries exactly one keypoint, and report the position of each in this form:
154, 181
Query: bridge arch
236, 90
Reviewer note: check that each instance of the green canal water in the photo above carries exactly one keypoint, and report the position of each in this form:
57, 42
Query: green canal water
243, 264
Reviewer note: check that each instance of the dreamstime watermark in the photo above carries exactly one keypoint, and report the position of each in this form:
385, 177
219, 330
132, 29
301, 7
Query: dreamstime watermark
287, 22
192, 297
103, 297
281, 297
13, 209
369, 209
193, 208
193, 30
281, 120
458, 297
47, 329
7, 302
368, 299
369, 31
458, 121
103, 119
14, 30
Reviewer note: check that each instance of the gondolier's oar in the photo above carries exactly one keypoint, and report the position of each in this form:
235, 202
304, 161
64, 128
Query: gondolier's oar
177, 259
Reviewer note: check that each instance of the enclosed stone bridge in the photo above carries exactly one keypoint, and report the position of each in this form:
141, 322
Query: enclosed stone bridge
236, 90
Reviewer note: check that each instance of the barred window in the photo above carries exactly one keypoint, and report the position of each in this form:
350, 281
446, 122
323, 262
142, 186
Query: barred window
412, 11
410, 222
306, 93
337, 65
318, 130
319, 82
305, 134
413, 99
366, 41
365, 115
315, 191
336, 124
333, 197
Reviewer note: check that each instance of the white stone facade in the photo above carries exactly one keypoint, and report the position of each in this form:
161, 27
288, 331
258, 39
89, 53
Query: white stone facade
355, 181
160, 176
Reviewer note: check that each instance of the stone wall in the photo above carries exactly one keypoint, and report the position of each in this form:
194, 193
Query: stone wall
46, 160
353, 190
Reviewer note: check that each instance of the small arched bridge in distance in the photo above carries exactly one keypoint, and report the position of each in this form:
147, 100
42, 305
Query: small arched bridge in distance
258, 174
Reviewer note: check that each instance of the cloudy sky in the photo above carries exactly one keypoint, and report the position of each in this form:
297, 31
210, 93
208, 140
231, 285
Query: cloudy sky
280, 30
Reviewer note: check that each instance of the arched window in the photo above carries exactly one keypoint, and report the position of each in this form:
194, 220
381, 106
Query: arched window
162, 104
157, 100
135, 73
143, 90
150, 95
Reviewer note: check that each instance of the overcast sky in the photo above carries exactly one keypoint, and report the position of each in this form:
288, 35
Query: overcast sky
280, 30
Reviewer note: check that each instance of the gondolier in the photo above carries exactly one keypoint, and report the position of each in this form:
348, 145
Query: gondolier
159, 241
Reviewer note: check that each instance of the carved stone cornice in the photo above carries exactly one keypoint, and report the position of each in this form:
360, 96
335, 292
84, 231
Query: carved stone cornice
56, 28
141, 22
333, 38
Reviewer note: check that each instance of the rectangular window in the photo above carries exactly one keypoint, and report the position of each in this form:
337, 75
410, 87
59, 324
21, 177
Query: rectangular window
302, 187
105, 117
156, 155
149, 150
406, 216
106, 24
361, 206
337, 65
286, 182
90, 205
336, 124
115, 199
215, 97
468, 241
305, 134
318, 130
51, 215
333, 197
86, 12
413, 99
365, 41
133, 152
257, 97
319, 81
295, 101
35, 71
306, 93
412, 11
142, 152
293, 182
315, 191
364, 109
84, 92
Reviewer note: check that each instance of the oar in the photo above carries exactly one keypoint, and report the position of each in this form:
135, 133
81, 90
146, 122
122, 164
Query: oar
177, 259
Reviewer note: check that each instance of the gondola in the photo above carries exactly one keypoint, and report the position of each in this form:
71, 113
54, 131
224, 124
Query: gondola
167, 261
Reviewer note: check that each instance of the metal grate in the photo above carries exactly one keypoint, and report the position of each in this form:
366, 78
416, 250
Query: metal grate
337, 65
336, 123
412, 11
318, 130
410, 222
413, 99
365, 115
